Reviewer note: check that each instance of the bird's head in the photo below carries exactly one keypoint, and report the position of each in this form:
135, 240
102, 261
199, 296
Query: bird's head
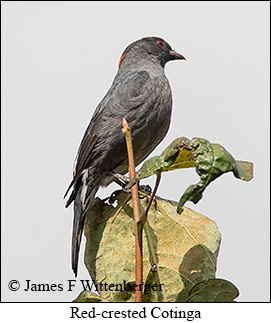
151, 47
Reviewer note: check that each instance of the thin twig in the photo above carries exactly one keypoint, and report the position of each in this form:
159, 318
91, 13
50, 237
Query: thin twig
136, 209
143, 216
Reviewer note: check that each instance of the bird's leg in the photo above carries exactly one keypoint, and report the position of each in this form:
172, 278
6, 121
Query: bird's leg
121, 179
124, 180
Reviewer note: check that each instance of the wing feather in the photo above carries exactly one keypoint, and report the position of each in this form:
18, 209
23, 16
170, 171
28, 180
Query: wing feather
126, 93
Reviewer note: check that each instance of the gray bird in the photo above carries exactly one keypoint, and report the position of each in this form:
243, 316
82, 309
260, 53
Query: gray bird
141, 93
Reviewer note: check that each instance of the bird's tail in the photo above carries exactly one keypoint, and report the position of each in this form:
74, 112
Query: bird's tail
78, 224
80, 208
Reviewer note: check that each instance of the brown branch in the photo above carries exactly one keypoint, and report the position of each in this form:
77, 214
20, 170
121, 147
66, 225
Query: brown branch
136, 209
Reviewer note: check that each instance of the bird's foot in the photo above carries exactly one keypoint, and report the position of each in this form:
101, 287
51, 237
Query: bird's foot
145, 189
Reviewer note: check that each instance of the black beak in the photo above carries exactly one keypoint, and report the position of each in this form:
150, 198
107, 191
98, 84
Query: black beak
175, 55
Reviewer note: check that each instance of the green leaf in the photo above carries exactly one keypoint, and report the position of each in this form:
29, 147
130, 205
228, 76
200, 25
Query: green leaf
178, 250
213, 290
174, 156
88, 297
210, 161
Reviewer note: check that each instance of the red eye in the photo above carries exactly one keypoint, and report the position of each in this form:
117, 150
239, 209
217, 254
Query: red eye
160, 43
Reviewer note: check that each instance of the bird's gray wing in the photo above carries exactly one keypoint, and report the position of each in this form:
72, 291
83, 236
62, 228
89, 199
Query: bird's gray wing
126, 92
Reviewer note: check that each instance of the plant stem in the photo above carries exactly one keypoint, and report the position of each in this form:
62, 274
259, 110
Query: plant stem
136, 209
143, 216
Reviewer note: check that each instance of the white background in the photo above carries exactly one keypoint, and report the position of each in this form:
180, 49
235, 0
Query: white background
59, 59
